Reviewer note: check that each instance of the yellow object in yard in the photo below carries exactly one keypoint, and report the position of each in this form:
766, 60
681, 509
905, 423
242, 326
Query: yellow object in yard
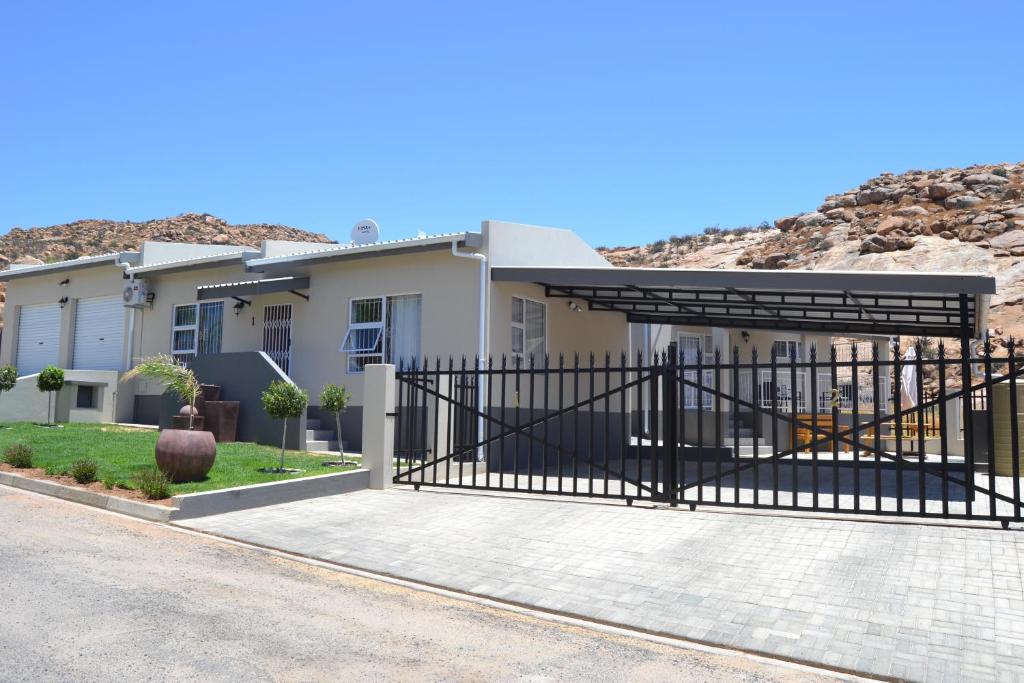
1003, 429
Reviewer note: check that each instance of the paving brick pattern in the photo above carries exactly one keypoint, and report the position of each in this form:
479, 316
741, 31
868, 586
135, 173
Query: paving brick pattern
915, 602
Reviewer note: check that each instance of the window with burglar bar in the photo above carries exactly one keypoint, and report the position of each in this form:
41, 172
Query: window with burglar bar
196, 329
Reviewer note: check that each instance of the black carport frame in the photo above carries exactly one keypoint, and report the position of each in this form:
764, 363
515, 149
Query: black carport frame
854, 303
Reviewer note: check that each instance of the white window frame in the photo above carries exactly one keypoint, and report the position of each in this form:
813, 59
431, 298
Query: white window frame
704, 341
382, 337
190, 352
522, 326
194, 350
789, 343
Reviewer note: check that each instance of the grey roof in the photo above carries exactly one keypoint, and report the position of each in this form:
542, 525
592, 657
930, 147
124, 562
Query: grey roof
896, 303
60, 266
346, 251
823, 280
194, 262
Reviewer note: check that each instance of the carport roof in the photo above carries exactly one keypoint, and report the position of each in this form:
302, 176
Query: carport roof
843, 302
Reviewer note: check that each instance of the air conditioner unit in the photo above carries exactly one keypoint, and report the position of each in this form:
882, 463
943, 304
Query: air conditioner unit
136, 294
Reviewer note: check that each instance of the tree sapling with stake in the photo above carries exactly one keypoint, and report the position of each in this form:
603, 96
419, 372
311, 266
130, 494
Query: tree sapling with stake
283, 400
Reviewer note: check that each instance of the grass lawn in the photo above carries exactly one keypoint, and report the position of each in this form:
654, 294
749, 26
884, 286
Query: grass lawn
122, 451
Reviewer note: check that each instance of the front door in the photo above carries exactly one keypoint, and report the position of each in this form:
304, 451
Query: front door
277, 334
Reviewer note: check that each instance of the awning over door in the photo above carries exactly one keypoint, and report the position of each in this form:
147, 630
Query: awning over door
832, 302
251, 287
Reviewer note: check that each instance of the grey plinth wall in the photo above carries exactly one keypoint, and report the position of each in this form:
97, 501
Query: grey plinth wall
242, 377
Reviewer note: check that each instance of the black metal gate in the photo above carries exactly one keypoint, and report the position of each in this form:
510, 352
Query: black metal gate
928, 435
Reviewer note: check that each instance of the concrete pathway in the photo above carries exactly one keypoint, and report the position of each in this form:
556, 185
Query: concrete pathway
86, 595
915, 602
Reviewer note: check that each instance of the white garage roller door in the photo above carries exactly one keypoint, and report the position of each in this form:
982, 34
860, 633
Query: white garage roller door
99, 334
38, 337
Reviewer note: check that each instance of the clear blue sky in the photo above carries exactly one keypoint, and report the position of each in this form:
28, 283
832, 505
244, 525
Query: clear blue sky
625, 121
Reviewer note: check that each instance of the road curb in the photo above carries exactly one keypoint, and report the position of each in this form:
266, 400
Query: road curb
124, 506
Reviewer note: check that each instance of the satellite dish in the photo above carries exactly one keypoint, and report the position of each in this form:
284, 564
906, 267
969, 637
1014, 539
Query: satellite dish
365, 232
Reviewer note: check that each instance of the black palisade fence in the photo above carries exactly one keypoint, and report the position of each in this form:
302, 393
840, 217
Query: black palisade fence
887, 434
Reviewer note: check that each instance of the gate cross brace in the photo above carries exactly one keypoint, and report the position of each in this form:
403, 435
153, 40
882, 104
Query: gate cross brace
525, 430
844, 437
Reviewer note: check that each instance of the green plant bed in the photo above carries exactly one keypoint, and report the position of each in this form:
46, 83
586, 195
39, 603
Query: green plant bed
122, 453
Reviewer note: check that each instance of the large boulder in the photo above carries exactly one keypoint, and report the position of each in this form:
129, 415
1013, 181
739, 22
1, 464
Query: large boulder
786, 223
890, 224
943, 190
983, 218
1013, 239
769, 261
879, 244
972, 233
877, 195
809, 219
911, 211
963, 201
985, 179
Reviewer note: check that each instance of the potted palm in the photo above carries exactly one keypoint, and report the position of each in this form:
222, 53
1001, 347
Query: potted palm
181, 454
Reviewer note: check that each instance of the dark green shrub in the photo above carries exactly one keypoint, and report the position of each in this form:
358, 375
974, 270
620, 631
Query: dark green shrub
18, 455
8, 378
1001, 172
55, 470
84, 470
153, 484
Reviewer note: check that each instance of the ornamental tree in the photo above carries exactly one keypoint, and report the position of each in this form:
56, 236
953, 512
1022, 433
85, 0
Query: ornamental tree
283, 400
334, 399
50, 379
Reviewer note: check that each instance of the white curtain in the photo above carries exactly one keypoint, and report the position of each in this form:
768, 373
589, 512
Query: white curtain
404, 324
908, 379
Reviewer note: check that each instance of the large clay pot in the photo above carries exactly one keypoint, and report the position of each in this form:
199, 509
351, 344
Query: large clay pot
185, 456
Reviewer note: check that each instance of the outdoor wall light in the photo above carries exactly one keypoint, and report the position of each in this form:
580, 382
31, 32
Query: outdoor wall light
63, 301
746, 336
239, 305
575, 307
65, 282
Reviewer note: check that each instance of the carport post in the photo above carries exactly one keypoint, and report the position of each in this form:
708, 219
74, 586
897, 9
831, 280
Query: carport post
379, 424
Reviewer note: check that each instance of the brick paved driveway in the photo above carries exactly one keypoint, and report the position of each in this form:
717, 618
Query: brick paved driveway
909, 601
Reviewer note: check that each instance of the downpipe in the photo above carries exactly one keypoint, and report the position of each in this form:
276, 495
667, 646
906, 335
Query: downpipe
482, 340
130, 346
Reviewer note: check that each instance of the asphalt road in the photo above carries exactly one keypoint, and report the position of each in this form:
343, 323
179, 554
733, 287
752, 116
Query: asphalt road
87, 595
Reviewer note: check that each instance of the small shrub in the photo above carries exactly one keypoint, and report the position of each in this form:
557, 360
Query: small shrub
8, 378
18, 455
84, 471
153, 484
712, 230
657, 246
113, 483
55, 470
1001, 172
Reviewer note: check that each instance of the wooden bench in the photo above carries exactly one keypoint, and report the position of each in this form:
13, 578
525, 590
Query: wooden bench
804, 436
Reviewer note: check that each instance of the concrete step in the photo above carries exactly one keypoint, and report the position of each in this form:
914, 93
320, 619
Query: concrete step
321, 445
319, 434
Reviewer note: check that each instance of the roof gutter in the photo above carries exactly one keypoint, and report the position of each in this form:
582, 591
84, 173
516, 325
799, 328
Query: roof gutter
481, 353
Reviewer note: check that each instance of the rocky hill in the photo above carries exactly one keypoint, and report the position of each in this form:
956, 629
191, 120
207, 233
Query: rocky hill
956, 219
91, 237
